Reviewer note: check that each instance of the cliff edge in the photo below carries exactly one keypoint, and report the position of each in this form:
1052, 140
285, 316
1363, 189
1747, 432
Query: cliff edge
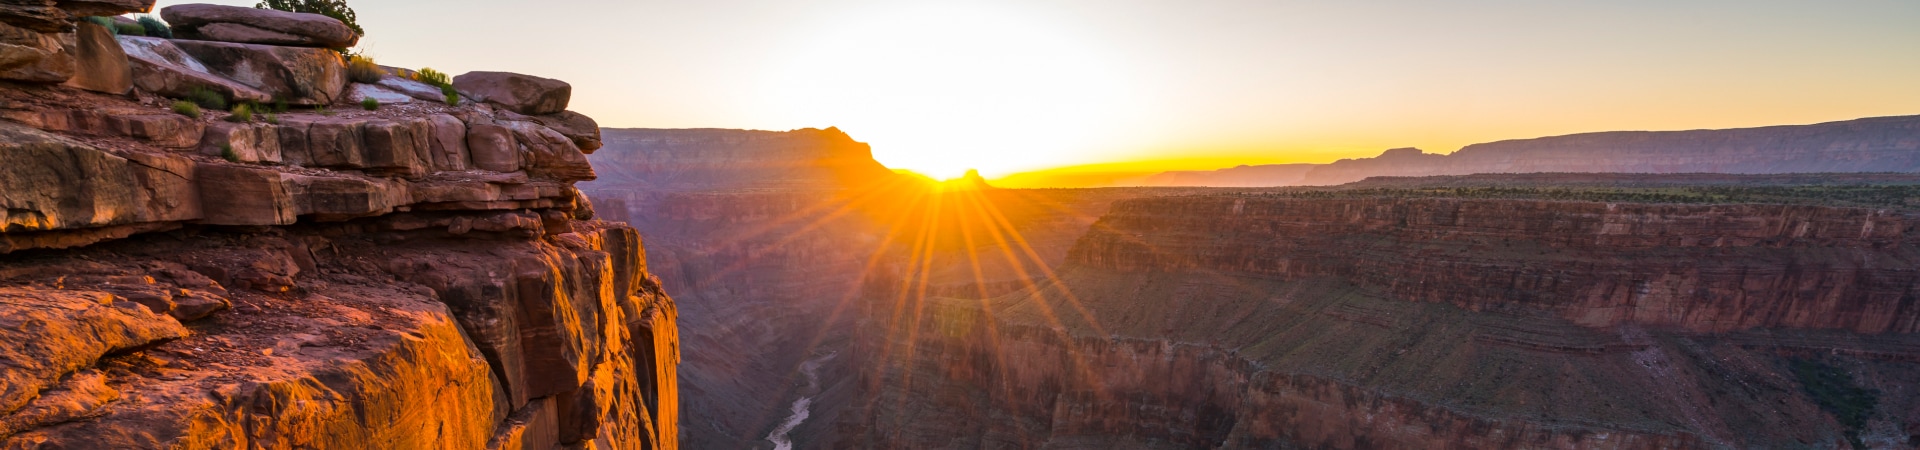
310, 268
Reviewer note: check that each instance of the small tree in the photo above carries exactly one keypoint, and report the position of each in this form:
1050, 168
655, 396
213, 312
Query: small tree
337, 9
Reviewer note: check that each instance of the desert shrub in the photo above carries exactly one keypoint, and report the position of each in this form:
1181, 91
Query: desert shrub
128, 29
280, 104
273, 118
434, 77
337, 9
207, 99
101, 21
370, 104
155, 27
241, 114
187, 108
362, 69
226, 151
453, 95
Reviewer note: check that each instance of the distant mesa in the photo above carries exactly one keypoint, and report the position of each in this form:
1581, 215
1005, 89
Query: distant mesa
1880, 144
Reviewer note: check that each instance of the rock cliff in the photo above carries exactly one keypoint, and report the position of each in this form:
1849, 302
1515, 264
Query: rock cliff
765, 240
1282, 321
418, 276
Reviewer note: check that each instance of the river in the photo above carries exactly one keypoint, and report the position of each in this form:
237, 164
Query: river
801, 407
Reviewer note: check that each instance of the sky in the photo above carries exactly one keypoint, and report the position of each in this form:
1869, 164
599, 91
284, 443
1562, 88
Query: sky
1008, 86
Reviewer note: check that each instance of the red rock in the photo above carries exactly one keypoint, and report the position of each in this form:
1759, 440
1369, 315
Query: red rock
258, 26
248, 142
241, 195
301, 76
492, 146
163, 68
524, 94
34, 57
101, 65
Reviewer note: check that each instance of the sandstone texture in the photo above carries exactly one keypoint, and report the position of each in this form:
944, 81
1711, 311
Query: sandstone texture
322, 279
257, 26
524, 94
38, 41
100, 64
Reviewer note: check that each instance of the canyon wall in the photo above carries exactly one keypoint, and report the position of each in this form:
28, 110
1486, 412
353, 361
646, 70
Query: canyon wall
751, 233
420, 276
1377, 322
765, 240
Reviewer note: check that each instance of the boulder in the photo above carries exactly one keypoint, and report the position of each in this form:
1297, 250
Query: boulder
357, 93
550, 154
448, 143
60, 332
258, 26
523, 94
34, 57
392, 149
101, 64
301, 76
492, 147
583, 130
164, 69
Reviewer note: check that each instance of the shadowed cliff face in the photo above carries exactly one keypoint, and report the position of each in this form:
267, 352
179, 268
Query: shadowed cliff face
1268, 322
765, 239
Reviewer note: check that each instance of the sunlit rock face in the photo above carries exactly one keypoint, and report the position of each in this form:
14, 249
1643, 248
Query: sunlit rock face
1379, 322
422, 276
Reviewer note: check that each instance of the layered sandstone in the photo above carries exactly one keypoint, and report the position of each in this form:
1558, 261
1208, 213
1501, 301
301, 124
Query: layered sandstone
421, 276
1369, 322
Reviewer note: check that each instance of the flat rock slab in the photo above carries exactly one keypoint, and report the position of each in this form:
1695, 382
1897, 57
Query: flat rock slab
361, 92
299, 75
524, 94
163, 68
258, 26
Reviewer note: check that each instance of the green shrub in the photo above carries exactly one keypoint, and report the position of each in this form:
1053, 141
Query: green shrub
434, 77
280, 105
370, 104
102, 21
324, 111
453, 95
362, 69
187, 108
241, 114
273, 118
155, 27
207, 99
226, 151
128, 29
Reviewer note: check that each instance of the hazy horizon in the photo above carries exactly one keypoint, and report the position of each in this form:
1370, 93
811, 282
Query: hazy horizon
1006, 87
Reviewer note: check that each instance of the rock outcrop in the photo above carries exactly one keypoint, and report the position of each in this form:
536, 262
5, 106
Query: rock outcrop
320, 279
523, 94
258, 26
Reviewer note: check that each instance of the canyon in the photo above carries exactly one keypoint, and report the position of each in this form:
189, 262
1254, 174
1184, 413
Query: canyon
417, 275
1561, 310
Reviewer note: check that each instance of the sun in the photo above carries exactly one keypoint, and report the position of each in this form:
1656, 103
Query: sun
940, 89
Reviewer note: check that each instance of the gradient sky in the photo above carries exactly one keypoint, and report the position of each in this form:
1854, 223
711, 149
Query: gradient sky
1014, 85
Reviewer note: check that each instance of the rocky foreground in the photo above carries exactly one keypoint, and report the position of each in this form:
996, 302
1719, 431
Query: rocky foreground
321, 275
